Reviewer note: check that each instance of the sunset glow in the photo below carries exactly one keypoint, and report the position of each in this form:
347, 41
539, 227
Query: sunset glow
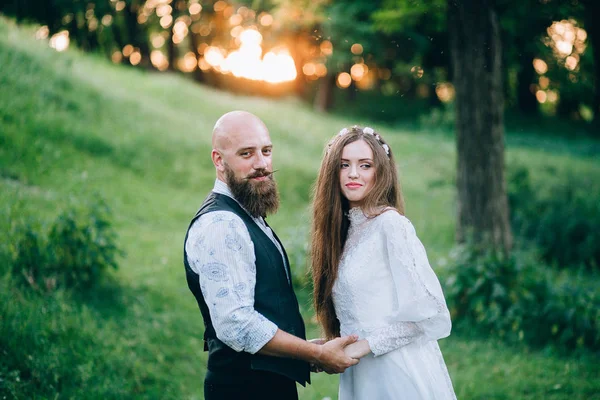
247, 61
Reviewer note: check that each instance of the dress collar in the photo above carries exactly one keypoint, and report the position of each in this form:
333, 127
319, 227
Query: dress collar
356, 216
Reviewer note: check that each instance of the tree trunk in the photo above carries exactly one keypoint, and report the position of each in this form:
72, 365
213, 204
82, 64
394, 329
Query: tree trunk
117, 33
136, 32
324, 97
297, 43
194, 43
171, 50
477, 66
592, 8
171, 46
352, 91
526, 100
568, 106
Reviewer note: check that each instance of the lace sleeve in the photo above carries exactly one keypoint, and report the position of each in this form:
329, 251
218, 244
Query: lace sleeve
421, 312
393, 337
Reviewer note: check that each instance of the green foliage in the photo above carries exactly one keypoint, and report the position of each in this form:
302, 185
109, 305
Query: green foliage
76, 252
560, 216
514, 298
400, 15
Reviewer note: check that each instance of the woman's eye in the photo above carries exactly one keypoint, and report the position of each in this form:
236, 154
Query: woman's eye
344, 165
366, 166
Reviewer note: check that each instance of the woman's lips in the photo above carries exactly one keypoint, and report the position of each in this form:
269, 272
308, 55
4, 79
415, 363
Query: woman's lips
353, 185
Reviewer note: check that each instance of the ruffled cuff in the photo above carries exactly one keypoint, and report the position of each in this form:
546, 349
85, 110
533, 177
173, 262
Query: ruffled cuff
393, 337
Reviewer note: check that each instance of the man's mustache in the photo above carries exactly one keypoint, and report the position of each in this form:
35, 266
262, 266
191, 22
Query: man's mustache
260, 174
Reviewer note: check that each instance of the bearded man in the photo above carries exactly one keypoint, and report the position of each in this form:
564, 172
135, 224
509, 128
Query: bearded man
239, 273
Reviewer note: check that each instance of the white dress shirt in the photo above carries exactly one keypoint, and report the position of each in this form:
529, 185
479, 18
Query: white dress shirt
220, 251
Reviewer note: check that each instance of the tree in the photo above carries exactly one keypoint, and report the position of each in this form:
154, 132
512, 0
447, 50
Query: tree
476, 57
137, 33
592, 8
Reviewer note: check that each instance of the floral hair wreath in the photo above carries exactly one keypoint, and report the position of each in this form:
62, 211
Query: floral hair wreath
366, 130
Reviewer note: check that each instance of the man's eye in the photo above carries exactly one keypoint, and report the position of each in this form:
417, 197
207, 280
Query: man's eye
245, 154
267, 151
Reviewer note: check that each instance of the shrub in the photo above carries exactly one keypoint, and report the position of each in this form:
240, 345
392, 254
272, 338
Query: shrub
296, 245
514, 298
561, 219
439, 118
75, 252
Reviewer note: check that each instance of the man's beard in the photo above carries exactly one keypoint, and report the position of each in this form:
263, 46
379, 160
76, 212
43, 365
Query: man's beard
259, 198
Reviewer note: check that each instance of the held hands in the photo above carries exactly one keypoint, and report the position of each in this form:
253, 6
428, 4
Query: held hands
332, 357
358, 349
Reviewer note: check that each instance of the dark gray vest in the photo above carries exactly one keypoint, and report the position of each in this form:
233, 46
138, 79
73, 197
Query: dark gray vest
273, 297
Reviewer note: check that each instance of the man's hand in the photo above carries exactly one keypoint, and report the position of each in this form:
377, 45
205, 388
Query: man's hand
315, 367
332, 358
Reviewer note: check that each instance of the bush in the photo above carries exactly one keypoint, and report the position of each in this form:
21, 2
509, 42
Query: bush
514, 298
561, 219
439, 118
77, 250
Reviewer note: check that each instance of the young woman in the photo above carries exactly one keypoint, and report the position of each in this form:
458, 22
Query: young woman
372, 277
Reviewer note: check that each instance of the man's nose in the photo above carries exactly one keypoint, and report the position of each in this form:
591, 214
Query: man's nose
260, 162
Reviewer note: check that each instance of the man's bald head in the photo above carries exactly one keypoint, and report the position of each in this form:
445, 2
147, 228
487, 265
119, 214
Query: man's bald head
233, 127
241, 142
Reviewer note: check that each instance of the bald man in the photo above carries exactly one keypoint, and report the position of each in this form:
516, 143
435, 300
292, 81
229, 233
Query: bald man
239, 272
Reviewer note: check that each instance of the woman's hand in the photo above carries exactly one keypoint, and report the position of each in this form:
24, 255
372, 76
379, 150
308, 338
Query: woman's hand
358, 349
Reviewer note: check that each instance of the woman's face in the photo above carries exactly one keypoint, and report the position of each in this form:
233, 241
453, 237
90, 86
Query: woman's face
357, 172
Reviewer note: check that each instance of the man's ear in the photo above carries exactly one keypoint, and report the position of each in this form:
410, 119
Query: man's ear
217, 159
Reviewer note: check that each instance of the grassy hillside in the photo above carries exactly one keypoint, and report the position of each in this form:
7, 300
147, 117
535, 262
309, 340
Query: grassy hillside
73, 128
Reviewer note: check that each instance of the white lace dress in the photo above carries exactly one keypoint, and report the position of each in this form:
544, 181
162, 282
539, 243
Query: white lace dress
387, 293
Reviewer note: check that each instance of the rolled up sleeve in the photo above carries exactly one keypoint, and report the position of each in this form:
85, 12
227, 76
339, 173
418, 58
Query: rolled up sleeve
221, 252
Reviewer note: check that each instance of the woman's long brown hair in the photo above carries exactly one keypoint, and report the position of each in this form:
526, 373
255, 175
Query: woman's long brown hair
330, 221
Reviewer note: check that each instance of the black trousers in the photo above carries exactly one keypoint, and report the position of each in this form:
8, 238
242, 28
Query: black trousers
261, 385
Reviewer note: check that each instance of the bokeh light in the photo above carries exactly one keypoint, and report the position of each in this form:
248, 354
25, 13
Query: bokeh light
266, 20
326, 47
344, 80
358, 71
540, 66
417, 72
356, 49
541, 96
158, 60
445, 92
60, 41
135, 58
42, 33
195, 8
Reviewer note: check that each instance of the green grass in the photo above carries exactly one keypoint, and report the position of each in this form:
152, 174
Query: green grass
74, 127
